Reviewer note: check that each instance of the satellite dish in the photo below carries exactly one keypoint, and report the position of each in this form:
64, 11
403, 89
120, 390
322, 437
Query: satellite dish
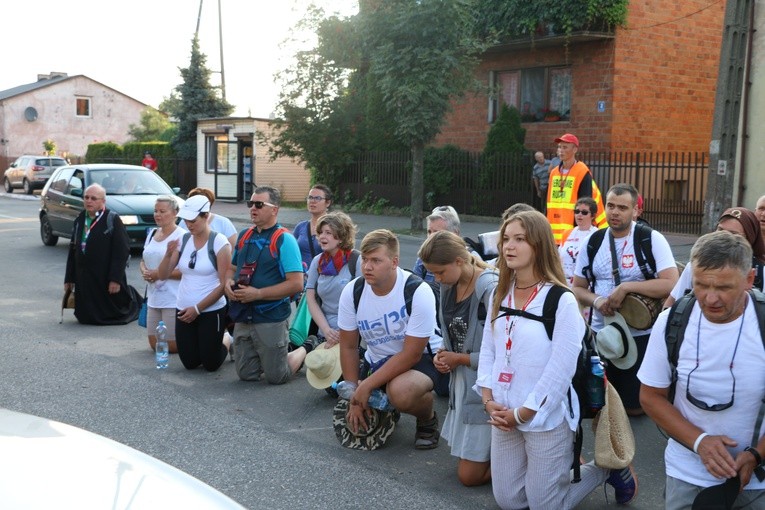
30, 114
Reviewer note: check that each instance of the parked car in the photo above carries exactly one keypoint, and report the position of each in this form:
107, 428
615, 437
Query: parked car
131, 192
81, 469
31, 172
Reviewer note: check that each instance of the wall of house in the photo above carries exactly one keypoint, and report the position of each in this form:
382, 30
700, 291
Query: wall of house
665, 75
291, 178
111, 115
657, 78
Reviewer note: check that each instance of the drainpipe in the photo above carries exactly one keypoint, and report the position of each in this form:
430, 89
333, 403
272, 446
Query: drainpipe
745, 108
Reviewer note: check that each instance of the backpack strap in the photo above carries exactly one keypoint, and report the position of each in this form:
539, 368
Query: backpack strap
353, 259
644, 250
593, 245
184, 241
549, 308
677, 321
211, 249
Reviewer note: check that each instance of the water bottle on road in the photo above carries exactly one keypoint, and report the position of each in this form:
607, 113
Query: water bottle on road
161, 352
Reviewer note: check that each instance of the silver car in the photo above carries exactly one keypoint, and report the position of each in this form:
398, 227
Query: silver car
31, 172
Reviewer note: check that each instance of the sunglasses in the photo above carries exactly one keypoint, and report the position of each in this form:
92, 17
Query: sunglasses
193, 260
258, 204
584, 212
312, 198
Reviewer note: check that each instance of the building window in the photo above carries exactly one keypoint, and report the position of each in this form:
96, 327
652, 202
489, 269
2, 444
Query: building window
539, 93
220, 155
83, 106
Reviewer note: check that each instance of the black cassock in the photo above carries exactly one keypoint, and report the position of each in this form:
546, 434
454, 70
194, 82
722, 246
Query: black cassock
107, 250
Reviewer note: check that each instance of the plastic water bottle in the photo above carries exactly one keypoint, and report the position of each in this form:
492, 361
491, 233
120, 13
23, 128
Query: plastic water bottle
161, 352
344, 389
597, 387
377, 399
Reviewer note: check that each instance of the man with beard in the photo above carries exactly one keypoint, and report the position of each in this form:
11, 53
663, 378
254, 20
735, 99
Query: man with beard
616, 270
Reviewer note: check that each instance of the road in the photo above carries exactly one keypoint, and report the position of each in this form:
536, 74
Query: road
264, 446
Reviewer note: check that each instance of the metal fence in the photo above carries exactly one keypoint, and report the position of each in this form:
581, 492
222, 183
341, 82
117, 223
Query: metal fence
673, 184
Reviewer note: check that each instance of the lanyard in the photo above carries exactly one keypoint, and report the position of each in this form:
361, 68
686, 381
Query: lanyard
509, 326
89, 224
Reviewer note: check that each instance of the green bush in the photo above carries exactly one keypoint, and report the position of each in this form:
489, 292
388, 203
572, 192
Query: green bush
104, 152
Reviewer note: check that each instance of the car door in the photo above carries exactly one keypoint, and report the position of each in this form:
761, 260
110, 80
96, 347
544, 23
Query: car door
72, 201
16, 173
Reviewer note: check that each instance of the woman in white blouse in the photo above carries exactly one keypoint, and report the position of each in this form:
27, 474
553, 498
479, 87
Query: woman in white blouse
524, 376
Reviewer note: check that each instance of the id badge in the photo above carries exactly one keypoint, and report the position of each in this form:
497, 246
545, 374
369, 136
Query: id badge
505, 377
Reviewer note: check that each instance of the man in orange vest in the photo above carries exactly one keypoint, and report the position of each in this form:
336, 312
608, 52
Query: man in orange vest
570, 181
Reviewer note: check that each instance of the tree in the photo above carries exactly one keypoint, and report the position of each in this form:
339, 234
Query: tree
152, 126
422, 54
199, 100
506, 135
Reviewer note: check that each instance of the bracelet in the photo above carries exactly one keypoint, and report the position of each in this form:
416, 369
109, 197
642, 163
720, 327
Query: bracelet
517, 416
756, 454
595, 301
197, 310
698, 442
486, 402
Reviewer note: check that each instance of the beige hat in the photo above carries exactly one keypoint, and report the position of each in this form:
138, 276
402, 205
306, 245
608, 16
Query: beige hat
615, 342
323, 366
614, 440
66, 302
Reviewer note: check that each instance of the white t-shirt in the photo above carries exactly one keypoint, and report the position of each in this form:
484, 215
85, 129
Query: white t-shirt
569, 250
197, 283
382, 322
685, 282
222, 225
162, 293
541, 369
628, 267
712, 383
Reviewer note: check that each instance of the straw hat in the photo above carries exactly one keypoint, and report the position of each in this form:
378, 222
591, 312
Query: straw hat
614, 440
66, 302
323, 366
380, 425
615, 342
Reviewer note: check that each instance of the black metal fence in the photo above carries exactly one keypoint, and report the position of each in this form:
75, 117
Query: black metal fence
673, 184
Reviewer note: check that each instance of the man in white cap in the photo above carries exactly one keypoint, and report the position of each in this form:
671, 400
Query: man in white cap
710, 401
568, 182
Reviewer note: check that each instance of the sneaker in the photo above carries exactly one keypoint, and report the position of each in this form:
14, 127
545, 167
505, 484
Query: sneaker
426, 437
625, 484
310, 343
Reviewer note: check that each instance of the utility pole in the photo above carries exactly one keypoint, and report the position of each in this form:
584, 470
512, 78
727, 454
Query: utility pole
220, 37
728, 108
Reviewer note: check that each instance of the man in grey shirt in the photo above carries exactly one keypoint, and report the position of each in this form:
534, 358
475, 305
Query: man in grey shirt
540, 176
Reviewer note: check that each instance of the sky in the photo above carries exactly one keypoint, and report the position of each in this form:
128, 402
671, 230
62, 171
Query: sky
137, 47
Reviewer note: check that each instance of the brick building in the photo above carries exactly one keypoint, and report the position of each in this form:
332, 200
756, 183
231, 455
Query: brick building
649, 86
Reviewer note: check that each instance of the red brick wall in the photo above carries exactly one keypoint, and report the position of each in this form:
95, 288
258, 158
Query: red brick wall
658, 84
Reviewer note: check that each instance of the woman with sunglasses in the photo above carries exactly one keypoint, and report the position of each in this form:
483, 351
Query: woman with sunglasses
466, 285
161, 294
524, 378
201, 305
318, 201
574, 239
740, 221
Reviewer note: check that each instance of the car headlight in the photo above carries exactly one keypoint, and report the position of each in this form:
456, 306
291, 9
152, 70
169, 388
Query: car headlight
129, 219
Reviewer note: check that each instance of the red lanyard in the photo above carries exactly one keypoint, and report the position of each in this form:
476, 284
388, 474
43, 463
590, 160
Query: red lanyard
509, 327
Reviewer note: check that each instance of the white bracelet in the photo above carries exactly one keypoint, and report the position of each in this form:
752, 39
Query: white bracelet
595, 301
698, 442
517, 416
197, 310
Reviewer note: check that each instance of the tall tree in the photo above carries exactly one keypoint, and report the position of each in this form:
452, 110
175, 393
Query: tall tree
422, 54
199, 99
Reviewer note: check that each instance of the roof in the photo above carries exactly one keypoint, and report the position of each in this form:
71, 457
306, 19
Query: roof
29, 87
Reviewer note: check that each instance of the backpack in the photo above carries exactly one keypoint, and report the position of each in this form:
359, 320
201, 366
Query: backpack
583, 373
677, 320
410, 287
273, 248
643, 252
210, 246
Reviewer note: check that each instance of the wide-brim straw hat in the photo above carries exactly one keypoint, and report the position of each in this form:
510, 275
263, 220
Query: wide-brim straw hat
614, 439
323, 366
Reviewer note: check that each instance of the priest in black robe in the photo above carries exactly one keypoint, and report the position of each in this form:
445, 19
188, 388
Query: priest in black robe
95, 268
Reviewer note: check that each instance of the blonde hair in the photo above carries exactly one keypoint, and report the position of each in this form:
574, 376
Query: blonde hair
342, 228
173, 203
545, 258
446, 247
380, 238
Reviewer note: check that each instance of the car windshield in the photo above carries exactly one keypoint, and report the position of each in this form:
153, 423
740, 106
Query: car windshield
130, 182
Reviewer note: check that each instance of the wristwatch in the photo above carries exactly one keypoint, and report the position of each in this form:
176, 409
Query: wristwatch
756, 454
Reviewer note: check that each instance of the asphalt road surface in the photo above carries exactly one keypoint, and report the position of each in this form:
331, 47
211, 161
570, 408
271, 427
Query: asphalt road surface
264, 446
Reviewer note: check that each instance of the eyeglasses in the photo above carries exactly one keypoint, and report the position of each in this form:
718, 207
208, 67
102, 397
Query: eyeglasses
312, 198
92, 197
581, 211
258, 204
193, 260
442, 208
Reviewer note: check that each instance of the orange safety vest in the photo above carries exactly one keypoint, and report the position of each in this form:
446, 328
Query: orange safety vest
562, 194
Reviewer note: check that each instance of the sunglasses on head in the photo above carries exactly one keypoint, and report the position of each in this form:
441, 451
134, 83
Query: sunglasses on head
581, 211
258, 204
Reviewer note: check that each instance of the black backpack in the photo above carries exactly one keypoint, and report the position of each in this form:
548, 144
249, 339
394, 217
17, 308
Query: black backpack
583, 374
643, 252
410, 287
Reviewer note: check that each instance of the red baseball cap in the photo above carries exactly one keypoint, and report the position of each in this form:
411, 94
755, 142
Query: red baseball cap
569, 138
